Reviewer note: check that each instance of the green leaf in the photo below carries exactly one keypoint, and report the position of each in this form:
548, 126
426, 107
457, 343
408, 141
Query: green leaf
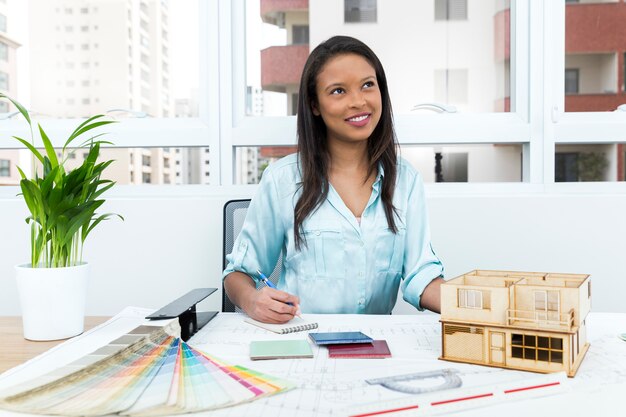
52, 155
19, 107
31, 148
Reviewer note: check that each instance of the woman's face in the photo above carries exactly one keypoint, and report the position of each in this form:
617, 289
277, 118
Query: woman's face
349, 100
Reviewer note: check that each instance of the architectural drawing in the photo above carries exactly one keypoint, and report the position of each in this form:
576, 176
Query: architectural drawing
530, 321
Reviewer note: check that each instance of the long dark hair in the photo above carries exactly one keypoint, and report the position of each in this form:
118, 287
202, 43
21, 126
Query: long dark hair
312, 140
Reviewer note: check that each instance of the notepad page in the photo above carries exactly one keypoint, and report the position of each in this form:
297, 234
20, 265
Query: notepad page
296, 324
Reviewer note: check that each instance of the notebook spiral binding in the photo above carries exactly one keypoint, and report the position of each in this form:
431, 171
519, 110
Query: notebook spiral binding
294, 329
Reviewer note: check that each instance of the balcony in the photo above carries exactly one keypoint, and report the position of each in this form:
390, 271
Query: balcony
594, 102
282, 66
273, 11
532, 319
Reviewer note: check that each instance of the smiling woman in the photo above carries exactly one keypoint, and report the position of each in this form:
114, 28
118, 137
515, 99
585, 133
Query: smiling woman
346, 214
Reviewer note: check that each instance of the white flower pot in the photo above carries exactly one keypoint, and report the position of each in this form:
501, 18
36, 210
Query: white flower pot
52, 300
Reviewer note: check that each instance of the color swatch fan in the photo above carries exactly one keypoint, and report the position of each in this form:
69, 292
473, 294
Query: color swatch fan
153, 374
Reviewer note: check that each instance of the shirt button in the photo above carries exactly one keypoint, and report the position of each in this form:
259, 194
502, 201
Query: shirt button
361, 301
360, 273
317, 233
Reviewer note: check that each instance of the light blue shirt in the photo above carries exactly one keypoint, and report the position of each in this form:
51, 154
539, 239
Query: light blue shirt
346, 267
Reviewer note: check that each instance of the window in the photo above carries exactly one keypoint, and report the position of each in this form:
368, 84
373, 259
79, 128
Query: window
300, 34
537, 348
571, 81
145, 161
450, 9
146, 177
3, 23
5, 168
4, 51
470, 299
4, 107
359, 11
4, 81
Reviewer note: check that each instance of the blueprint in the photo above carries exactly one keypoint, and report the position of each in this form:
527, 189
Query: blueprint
329, 387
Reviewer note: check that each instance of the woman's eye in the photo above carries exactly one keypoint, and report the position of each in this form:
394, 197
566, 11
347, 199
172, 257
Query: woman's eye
337, 90
369, 84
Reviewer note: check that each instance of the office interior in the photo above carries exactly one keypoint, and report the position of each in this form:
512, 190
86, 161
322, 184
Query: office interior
514, 112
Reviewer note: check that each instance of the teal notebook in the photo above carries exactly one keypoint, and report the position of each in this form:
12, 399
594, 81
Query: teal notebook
278, 349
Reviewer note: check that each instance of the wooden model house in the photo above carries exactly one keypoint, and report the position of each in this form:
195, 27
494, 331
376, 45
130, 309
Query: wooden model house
521, 320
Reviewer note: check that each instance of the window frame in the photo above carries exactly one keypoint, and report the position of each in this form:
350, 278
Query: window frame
538, 121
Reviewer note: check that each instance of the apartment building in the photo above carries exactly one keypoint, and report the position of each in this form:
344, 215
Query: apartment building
106, 56
456, 56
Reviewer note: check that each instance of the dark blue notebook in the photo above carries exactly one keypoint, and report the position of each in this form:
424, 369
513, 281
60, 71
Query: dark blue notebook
339, 338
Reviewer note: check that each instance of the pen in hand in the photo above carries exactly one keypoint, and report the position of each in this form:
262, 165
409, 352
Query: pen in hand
271, 285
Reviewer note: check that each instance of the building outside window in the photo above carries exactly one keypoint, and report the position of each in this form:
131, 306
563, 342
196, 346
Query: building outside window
572, 80
5, 168
4, 81
300, 34
450, 9
360, 11
3, 23
4, 51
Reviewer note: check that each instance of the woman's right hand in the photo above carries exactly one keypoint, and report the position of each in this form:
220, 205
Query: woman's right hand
271, 306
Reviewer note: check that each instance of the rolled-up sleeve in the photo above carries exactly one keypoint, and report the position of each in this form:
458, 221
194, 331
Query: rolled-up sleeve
421, 264
260, 241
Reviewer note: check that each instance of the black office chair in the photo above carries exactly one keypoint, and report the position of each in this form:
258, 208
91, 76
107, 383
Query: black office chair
234, 216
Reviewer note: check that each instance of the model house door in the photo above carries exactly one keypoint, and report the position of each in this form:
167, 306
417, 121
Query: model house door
497, 348
547, 305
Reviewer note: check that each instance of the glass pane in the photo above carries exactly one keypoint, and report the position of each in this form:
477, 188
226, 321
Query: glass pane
75, 59
466, 163
445, 163
251, 161
530, 340
590, 162
437, 71
594, 57
517, 352
139, 166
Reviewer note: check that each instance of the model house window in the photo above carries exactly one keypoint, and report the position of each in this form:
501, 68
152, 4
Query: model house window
470, 299
360, 11
572, 77
145, 178
537, 348
5, 168
546, 301
450, 9
300, 34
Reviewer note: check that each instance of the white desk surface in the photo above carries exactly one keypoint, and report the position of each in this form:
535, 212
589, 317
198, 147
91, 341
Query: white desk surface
331, 387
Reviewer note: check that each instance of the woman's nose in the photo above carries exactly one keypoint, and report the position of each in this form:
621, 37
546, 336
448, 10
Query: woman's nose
357, 99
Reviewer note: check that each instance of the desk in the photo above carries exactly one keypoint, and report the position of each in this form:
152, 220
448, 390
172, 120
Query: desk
15, 350
326, 387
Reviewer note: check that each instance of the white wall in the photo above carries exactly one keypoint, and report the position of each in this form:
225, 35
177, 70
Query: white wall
167, 246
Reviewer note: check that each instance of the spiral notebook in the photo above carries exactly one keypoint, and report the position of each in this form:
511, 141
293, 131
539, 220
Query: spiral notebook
296, 324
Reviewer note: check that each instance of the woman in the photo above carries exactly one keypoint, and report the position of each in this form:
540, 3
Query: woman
348, 215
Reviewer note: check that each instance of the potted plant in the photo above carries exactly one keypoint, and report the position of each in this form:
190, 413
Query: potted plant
62, 204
